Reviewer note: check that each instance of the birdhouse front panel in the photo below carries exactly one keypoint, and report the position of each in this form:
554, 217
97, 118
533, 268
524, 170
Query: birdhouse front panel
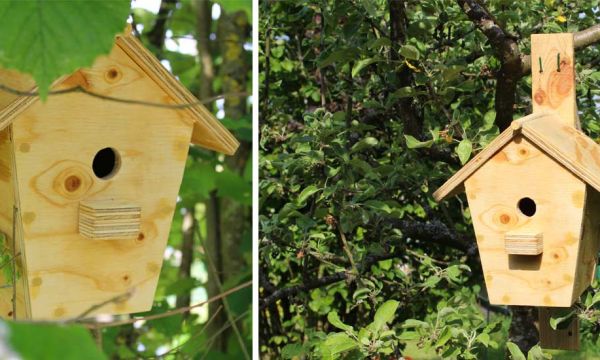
528, 229
97, 188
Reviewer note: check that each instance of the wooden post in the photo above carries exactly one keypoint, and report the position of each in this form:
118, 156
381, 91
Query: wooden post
553, 76
553, 88
566, 339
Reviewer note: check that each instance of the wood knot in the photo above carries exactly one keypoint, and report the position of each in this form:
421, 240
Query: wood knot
504, 218
113, 75
72, 183
141, 237
540, 96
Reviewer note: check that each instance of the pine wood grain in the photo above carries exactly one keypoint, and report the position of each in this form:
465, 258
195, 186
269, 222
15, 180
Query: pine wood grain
454, 185
55, 143
546, 279
553, 84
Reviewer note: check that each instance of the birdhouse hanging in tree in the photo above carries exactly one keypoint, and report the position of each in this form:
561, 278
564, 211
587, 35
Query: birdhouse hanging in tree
88, 186
533, 193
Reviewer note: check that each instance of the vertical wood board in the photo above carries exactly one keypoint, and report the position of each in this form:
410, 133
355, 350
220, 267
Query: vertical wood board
553, 84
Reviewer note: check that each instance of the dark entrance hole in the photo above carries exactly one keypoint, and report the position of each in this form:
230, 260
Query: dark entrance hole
106, 163
527, 206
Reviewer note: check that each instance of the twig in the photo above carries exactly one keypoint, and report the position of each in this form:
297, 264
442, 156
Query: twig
115, 299
170, 312
222, 329
228, 310
79, 89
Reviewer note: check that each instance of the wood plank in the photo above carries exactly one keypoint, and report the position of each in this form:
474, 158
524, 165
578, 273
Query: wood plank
57, 140
590, 243
15, 80
208, 131
572, 148
565, 339
454, 184
546, 279
553, 83
523, 244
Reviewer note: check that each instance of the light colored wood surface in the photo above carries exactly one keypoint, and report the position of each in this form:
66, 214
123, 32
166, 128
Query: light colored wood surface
109, 220
208, 131
565, 339
523, 244
55, 143
454, 185
590, 243
553, 88
493, 194
572, 148
15, 80
7, 203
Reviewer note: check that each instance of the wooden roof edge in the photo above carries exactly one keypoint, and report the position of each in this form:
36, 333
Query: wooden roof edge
222, 140
577, 168
454, 185
10, 112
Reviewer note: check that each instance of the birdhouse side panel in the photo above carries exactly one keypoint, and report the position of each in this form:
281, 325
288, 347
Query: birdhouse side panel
7, 201
76, 149
590, 243
521, 194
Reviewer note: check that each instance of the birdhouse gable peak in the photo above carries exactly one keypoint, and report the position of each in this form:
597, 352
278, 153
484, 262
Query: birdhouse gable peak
565, 144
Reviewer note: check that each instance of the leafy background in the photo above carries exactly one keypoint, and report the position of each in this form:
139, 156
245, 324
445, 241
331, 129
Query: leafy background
208, 46
367, 107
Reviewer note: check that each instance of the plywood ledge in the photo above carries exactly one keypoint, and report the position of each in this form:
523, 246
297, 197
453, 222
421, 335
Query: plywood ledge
109, 220
523, 244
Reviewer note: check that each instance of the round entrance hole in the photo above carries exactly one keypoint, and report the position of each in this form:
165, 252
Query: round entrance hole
527, 206
106, 163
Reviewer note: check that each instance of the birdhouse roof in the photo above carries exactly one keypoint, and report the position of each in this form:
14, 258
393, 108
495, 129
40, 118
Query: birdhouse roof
566, 145
208, 132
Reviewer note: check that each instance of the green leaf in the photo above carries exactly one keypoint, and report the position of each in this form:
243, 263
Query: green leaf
515, 352
48, 39
364, 144
562, 319
384, 314
52, 341
305, 194
342, 55
413, 143
410, 52
337, 343
464, 150
488, 120
536, 353
334, 320
361, 64
382, 41
291, 351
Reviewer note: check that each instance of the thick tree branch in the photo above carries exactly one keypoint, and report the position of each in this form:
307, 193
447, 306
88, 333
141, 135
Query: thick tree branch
506, 49
582, 39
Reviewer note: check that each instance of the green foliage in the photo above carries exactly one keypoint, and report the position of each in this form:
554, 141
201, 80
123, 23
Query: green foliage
342, 181
48, 39
50, 341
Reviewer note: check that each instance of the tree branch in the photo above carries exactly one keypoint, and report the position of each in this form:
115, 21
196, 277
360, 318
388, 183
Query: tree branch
434, 231
506, 49
582, 39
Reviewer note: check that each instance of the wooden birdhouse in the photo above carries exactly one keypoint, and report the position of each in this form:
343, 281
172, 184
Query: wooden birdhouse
533, 192
88, 186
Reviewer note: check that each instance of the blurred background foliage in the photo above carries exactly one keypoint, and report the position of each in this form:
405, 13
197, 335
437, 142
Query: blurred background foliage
208, 46
366, 107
